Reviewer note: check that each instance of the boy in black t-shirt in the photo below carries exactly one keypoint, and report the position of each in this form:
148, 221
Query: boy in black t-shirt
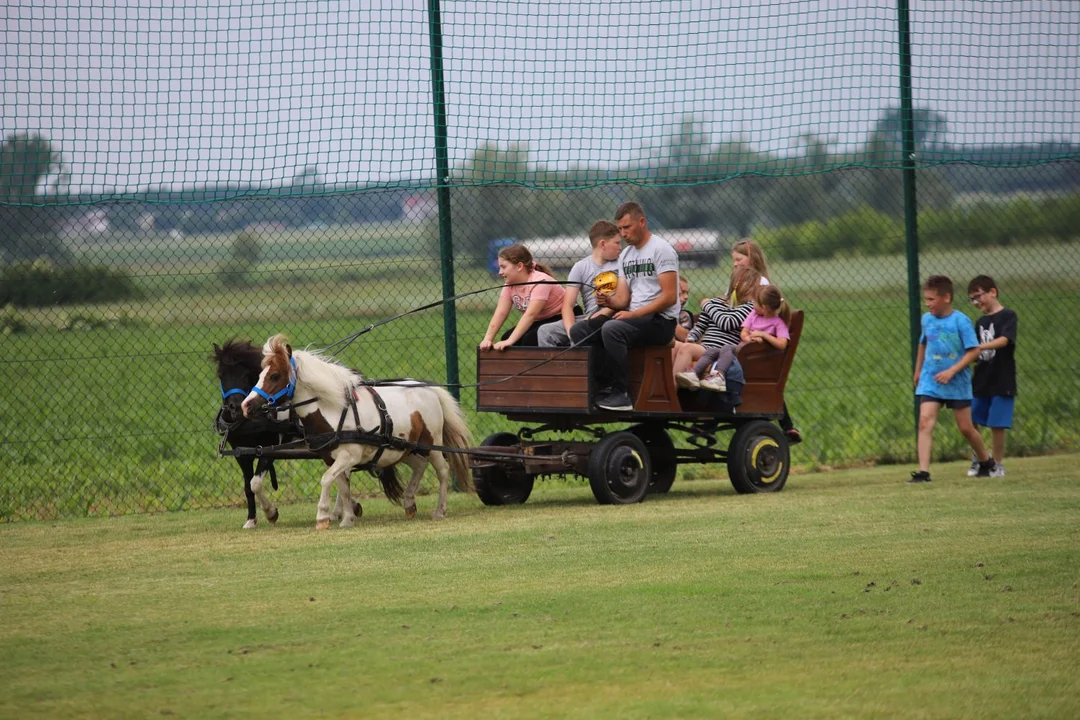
994, 382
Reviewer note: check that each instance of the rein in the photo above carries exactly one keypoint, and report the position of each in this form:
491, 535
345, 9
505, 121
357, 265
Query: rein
406, 382
349, 339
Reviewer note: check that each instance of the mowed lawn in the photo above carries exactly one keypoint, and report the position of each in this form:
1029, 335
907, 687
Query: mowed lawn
850, 594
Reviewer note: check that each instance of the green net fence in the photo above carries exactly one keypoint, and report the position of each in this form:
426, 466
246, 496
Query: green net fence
177, 175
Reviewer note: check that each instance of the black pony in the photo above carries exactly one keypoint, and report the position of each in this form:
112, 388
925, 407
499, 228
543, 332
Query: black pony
238, 366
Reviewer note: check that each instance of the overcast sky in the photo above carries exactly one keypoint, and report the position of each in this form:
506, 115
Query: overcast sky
139, 94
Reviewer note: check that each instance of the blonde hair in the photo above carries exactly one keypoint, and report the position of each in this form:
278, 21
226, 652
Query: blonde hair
744, 283
518, 253
770, 297
753, 251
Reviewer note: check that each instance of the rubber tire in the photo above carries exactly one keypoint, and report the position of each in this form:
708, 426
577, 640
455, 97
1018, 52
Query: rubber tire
502, 484
661, 454
620, 469
759, 458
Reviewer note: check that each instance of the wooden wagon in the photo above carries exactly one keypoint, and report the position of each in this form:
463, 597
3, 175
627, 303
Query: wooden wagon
626, 455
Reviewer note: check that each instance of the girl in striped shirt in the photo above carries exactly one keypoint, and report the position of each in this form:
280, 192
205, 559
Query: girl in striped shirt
718, 325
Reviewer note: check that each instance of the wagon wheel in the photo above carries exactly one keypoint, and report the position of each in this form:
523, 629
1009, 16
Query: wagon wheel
759, 458
661, 453
502, 484
619, 469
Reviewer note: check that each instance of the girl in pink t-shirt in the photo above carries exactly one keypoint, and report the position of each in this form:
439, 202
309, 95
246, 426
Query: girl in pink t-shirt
538, 304
766, 323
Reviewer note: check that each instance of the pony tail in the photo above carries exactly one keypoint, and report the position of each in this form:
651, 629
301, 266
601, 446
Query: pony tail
784, 311
543, 268
744, 283
456, 434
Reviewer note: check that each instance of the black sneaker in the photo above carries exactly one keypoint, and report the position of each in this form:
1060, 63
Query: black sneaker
986, 468
920, 477
617, 400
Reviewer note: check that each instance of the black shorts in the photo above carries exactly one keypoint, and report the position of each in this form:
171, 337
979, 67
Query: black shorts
951, 404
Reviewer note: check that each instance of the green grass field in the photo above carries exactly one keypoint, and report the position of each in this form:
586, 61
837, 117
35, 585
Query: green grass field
118, 418
851, 594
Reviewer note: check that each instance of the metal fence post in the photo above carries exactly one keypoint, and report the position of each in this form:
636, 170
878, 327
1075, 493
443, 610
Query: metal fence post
442, 172
911, 227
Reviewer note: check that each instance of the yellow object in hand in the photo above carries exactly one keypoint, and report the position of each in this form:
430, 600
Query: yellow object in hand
605, 283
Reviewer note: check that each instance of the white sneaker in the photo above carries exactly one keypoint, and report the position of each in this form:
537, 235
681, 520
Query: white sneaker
715, 382
974, 469
998, 471
687, 380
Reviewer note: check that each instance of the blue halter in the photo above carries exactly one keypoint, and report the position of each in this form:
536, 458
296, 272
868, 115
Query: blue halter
286, 392
233, 391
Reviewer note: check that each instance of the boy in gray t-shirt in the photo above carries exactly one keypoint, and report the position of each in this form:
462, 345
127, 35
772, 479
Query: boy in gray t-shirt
644, 307
606, 246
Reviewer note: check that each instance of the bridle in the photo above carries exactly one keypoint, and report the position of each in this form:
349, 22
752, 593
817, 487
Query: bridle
233, 391
285, 392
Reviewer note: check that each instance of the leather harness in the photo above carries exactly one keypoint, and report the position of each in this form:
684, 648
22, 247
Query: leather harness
381, 438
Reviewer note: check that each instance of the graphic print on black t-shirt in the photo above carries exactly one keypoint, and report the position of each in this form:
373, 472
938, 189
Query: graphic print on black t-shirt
995, 370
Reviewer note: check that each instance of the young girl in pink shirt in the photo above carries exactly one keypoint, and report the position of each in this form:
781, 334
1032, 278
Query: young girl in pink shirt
538, 303
766, 323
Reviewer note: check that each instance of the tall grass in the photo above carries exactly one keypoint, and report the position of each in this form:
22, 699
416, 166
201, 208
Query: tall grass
120, 417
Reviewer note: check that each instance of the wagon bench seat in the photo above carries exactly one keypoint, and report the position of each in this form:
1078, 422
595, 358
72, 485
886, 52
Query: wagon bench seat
562, 383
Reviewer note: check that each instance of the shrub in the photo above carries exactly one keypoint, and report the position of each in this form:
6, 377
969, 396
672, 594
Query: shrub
864, 231
246, 251
1061, 217
85, 321
42, 283
247, 248
12, 322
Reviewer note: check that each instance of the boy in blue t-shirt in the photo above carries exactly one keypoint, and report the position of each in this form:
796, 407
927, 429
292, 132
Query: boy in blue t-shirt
947, 347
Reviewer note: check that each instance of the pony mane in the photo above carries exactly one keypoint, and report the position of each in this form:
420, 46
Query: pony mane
326, 379
236, 352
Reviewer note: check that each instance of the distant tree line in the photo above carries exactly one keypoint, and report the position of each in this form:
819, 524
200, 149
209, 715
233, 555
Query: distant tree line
687, 180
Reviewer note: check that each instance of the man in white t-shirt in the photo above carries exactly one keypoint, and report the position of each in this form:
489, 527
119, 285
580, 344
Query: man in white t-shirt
645, 306
588, 272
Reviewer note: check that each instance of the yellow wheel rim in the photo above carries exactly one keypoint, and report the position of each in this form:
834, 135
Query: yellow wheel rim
763, 443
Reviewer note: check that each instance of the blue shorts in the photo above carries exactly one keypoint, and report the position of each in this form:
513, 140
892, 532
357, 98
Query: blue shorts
995, 411
951, 404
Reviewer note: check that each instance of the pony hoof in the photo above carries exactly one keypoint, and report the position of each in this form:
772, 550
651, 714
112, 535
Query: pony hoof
250, 524
357, 509
410, 513
272, 516
438, 515
322, 525
348, 522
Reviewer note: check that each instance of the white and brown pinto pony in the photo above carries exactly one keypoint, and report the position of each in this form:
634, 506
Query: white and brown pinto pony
420, 414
